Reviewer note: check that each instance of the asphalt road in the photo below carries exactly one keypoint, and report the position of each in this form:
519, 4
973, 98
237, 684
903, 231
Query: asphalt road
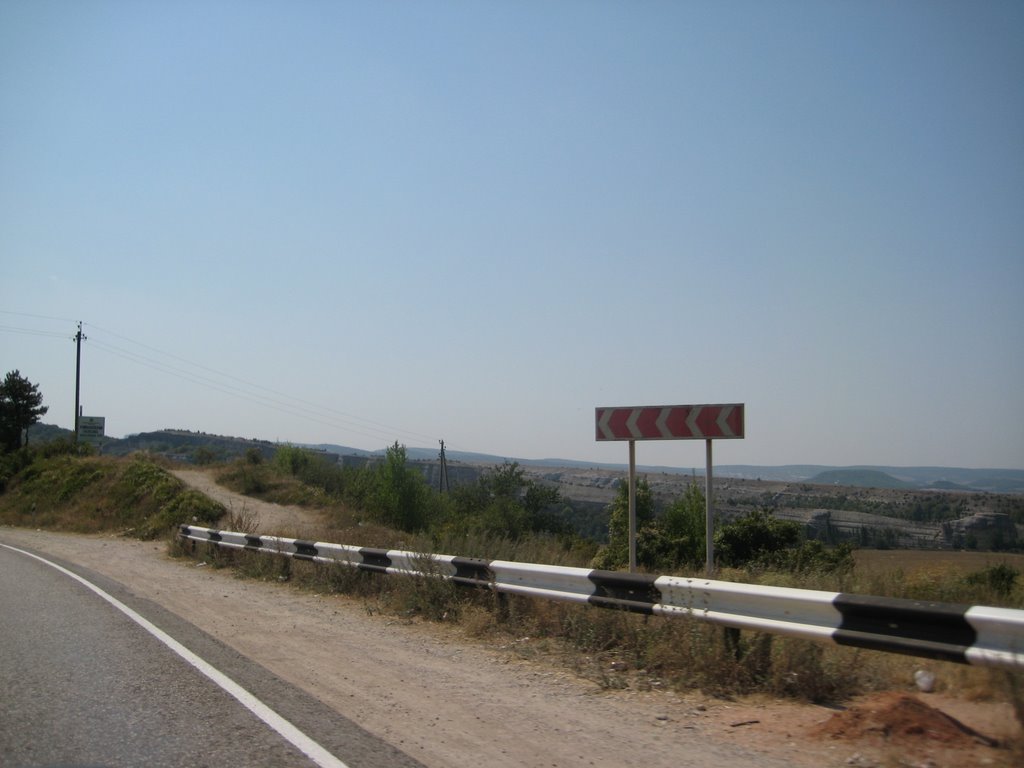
83, 684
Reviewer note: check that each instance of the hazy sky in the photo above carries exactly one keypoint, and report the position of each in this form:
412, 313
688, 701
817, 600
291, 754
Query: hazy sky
356, 222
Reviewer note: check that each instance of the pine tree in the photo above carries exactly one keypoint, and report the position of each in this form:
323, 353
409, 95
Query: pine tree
21, 405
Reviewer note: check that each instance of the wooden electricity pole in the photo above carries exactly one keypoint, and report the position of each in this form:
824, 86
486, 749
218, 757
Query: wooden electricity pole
442, 481
79, 338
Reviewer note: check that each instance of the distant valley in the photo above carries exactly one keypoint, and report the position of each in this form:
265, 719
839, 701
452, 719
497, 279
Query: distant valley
870, 506
184, 445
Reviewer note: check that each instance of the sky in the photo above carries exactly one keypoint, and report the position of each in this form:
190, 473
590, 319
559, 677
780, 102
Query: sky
362, 222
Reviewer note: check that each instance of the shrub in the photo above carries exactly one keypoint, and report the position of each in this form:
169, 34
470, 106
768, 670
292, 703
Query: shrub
1000, 579
186, 507
615, 554
754, 538
503, 502
399, 497
291, 459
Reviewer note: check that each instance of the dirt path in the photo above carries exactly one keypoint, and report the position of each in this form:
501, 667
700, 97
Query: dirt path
277, 519
451, 703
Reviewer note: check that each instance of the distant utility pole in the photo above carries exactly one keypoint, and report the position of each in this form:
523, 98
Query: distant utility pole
442, 481
79, 338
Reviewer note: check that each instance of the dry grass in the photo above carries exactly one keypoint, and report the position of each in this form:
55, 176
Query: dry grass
623, 650
888, 562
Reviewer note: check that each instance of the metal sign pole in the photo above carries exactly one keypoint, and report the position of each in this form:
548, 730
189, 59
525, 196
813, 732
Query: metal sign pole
709, 513
632, 506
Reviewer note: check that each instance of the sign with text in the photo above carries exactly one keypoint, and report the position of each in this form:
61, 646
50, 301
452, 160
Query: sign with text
670, 422
91, 427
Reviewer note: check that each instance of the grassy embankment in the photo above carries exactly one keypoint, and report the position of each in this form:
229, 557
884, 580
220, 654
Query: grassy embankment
59, 487
617, 650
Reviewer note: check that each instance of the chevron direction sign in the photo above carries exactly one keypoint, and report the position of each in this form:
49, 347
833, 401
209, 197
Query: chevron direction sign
670, 422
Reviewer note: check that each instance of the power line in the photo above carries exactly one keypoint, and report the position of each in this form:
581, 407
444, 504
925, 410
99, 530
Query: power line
296, 407
32, 332
220, 381
369, 423
38, 317
231, 391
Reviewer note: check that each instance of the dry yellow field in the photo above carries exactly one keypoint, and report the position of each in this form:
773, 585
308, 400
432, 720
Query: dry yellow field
916, 561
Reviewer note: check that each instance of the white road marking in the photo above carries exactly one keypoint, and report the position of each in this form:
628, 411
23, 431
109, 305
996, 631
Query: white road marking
297, 738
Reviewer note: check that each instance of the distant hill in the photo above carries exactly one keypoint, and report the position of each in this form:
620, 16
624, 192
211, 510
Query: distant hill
46, 433
932, 478
183, 445
864, 478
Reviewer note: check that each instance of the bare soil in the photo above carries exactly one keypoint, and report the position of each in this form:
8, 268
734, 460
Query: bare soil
276, 519
450, 701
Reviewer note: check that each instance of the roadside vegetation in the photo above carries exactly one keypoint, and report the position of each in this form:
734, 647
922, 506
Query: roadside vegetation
63, 486
507, 516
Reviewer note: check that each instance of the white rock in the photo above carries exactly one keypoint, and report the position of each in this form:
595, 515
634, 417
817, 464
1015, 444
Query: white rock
925, 681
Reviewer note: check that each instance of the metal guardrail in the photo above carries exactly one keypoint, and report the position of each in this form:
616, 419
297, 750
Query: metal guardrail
978, 635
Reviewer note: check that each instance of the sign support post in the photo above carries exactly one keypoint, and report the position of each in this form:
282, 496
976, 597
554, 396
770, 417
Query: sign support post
709, 514
672, 422
632, 506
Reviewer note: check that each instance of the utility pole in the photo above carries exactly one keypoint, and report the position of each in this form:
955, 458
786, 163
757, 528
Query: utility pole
79, 338
442, 481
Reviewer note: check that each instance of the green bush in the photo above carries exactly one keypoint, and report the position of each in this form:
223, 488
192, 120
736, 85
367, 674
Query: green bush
188, 507
615, 554
666, 543
17, 462
754, 539
503, 502
291, 459
399, 497
150, 501
1001, 579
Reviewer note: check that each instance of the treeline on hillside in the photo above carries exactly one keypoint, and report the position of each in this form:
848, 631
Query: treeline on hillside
504, 504
917, 506
589, 520
394, 493
175, 444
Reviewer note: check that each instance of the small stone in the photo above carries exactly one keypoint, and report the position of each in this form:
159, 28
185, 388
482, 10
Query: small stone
925, 680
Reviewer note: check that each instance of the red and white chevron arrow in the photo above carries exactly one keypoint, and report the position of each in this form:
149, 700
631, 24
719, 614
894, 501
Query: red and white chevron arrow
670, 422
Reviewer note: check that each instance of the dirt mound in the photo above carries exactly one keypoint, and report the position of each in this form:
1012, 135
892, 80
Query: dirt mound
899, 719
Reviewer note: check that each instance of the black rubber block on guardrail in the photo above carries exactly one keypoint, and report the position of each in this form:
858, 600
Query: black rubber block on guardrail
377, 560
472, 571
629, 591
305, 550
931, 630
